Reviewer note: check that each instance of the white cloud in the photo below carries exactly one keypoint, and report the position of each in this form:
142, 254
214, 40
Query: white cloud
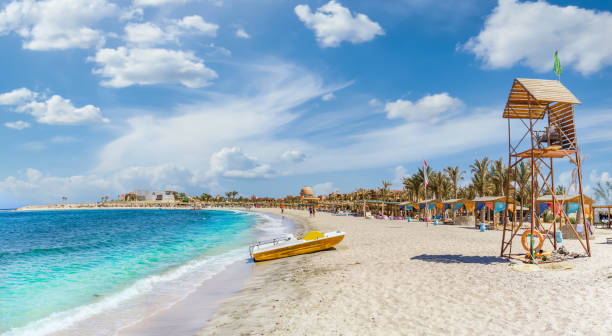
134, 13
323, 189
196, 23
328, 97
604, 177
333, 23
145, 66
149, 34
18, 125
430, 107
218, 51
158, 2
565, 178
398, 180
530, 32
146, 34
56, 24
54, 111
33, 174
293, 155
60, 111
240, 32
17, 97
595, 178
374, 102
232, 162
165, 176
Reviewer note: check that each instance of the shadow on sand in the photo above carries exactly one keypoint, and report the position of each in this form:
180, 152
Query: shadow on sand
459, 258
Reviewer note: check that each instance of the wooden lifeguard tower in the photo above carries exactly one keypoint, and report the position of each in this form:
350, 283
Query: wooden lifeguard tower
545, 109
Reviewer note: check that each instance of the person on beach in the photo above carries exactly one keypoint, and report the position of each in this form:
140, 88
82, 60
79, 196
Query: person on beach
310, 211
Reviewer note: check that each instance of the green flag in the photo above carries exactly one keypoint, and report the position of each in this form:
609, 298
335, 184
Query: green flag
557, 64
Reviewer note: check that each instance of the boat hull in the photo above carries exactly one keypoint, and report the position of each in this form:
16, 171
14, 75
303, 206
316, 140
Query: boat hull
303, 248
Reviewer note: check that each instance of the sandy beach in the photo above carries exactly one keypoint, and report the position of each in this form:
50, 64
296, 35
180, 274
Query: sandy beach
400, 278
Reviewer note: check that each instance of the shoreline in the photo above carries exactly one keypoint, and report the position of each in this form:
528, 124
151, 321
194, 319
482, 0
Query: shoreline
258, 286
187, 316
192, 313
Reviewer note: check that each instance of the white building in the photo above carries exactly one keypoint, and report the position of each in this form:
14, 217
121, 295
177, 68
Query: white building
154, 195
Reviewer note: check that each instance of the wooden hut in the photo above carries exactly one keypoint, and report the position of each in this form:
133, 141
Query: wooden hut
409, 208
433, 207
601, 215
392, 208
570, 204
564, 202
459, 205
490, 208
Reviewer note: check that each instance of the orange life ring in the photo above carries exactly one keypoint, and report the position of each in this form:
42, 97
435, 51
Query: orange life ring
524, 240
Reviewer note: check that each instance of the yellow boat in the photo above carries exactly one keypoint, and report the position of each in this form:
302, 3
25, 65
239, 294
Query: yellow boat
286, 247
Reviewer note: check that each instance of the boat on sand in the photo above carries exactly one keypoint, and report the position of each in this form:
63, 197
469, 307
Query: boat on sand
289, 246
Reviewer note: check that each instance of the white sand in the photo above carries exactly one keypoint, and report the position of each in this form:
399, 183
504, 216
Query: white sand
399, 278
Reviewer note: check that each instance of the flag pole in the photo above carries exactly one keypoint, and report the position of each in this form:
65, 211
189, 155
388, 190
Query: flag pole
426, 207
426, 182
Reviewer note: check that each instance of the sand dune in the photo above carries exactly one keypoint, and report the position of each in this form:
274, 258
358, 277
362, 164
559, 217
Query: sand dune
399, 278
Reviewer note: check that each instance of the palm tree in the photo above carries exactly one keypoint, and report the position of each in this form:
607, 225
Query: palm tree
480, 178
522, 176
455, 175
603, 191
561, 190
411, 187
361, 192
437, 182
415, 186
468, 192
480, 169
384, 191
499, 176
446, 188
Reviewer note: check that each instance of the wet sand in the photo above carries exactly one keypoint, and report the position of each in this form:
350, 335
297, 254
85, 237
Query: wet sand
189, 315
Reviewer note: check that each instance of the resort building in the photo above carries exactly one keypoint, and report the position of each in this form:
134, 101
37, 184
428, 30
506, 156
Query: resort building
155, 195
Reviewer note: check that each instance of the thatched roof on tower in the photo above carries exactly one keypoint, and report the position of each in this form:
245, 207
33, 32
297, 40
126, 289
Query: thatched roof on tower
530, 98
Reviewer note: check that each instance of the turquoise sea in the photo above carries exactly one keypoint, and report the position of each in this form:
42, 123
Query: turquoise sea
61, 271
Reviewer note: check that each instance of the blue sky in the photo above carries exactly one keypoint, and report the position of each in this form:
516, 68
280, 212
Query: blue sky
100, 97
